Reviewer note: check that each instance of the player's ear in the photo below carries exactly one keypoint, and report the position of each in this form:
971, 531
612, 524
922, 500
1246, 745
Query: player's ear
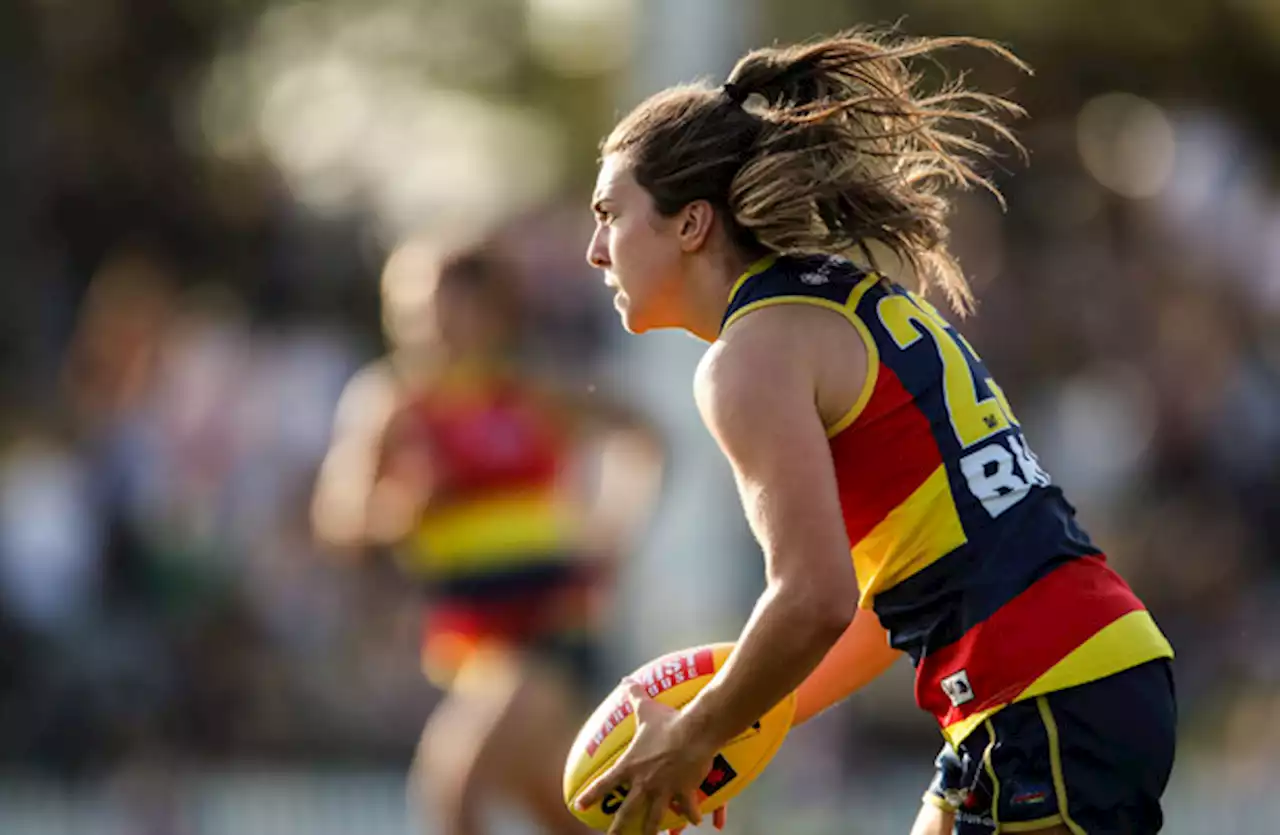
695, 222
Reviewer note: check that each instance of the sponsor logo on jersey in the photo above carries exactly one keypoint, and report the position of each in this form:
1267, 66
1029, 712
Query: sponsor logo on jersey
957, 688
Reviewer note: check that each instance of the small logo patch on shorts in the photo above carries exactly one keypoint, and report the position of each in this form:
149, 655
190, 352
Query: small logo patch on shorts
975, 820
1029, 797
957, 688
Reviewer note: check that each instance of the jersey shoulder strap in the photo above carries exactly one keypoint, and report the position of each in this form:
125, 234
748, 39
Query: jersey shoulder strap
823, 280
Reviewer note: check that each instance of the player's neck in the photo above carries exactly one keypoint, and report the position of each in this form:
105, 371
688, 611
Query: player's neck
711, 278
437, 362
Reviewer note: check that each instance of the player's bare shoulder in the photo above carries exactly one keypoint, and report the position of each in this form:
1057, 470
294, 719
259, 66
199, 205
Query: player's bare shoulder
782, 346
369, 399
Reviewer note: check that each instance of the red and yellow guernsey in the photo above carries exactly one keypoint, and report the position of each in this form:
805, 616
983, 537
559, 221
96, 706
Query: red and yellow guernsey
496, 551
968, 554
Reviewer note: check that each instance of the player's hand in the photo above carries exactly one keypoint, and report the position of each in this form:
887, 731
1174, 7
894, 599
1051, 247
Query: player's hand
662, 768
717, 820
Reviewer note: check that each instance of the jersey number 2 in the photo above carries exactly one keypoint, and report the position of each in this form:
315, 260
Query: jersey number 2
990, 470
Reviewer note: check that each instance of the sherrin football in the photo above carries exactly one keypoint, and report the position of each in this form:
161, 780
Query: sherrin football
674, 680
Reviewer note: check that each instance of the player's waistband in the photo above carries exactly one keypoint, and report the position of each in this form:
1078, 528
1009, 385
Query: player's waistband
1078, 623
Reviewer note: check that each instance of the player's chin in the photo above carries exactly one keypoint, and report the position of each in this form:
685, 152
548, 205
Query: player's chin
628, 315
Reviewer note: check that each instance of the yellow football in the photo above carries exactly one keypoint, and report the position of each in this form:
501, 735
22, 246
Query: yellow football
674, 680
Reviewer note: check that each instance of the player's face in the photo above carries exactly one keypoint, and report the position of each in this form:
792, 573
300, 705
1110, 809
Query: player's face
422, 313
638, 250
467, 324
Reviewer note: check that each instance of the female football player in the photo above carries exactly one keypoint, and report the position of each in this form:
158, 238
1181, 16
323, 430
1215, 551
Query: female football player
883, 471
448, 453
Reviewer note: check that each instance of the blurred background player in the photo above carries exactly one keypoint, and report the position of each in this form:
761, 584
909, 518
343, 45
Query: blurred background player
508, 502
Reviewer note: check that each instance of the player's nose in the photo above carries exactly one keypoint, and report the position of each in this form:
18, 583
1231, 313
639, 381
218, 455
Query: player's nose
598, 249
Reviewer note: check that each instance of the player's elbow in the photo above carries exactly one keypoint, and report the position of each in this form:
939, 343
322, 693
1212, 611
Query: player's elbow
336, 520
832, 616
331, 530
824, 607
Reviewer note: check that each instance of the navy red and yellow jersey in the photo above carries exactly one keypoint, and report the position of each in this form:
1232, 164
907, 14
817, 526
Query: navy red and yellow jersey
969, 555
496, 551
495, 453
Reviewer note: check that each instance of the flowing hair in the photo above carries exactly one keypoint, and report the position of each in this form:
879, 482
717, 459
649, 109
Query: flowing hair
826, 147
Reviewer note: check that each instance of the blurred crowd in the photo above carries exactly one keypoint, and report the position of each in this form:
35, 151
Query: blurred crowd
160, 588
1143, 338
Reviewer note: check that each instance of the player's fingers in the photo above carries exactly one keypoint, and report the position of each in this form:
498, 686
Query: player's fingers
675, 831
634, 693
718, 816
653, 811
686, 804
613, 778
626, 811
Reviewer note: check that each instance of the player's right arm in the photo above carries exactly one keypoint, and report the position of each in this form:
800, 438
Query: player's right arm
352, 508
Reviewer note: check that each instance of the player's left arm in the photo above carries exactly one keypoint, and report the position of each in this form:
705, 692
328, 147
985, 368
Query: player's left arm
859, 657
757, 392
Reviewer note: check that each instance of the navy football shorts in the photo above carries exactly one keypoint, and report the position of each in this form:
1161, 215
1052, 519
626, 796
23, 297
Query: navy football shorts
1095, 757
